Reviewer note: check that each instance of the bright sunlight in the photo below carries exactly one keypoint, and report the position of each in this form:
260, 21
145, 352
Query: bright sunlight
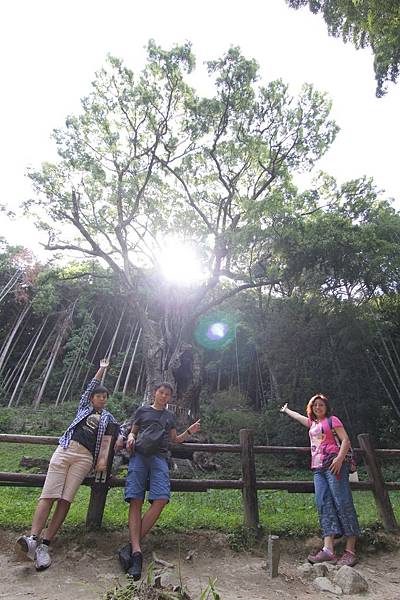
180, 263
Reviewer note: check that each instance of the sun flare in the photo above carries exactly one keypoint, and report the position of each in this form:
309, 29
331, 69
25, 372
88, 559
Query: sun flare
180, 263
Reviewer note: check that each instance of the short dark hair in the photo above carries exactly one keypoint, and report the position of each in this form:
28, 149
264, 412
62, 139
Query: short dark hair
164, 384
99, 389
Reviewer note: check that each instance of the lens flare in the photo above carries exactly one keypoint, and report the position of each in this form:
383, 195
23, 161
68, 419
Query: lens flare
215, 331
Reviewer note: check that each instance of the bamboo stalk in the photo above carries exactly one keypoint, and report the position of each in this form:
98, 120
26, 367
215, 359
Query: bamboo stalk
111, 347
33, 346
53, 355
11, 283
131, 363
127, 350
33, 367
12, 335
97, 348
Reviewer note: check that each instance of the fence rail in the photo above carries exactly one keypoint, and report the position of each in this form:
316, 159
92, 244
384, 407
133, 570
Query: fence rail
248, 483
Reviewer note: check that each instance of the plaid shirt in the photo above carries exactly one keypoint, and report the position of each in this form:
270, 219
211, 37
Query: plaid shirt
84, 409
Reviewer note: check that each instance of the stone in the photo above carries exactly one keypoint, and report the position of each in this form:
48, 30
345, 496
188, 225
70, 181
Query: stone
305, 569
331, 567
350, 580
320, 570
324, 584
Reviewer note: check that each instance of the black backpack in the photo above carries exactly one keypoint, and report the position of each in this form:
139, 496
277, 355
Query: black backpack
148, 441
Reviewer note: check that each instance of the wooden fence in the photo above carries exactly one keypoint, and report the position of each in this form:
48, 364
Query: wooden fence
248, 483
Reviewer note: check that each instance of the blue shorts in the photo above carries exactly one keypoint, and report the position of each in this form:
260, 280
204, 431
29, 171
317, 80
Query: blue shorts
147, 472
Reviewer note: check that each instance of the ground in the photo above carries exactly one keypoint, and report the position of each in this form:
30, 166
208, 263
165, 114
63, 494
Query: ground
85, 568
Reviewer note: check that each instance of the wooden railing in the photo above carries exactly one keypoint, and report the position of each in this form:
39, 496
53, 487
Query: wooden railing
248, 483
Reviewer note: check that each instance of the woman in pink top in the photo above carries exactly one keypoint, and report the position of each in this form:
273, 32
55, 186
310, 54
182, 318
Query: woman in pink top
333, 497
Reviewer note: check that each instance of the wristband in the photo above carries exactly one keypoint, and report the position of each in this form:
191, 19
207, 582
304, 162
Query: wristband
188, 431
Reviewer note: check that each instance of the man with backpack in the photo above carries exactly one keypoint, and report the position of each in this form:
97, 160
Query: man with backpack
153, 429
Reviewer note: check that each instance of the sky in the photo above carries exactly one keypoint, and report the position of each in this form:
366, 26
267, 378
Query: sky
50, 50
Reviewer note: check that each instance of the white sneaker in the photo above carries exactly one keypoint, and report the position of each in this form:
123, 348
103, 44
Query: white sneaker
42, 557
28, 545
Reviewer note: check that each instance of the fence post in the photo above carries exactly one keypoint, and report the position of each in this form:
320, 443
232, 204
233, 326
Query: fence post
249, 492
379, 490
99, 490
273, 555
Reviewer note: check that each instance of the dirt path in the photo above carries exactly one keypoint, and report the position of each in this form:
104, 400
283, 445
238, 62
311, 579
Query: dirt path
85, 570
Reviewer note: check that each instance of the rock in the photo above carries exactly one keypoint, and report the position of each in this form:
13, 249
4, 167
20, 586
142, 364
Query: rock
320, 570
182, 467
331, 567
324, 584
205, 462
350, 580
305, 569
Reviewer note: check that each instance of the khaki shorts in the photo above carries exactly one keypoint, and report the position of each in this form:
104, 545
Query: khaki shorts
67, 469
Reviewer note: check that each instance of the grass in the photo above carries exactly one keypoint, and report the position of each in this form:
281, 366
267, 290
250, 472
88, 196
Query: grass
280, 512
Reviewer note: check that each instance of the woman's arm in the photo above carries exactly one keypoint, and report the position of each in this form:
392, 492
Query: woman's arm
344, 448
183, 437
295, 415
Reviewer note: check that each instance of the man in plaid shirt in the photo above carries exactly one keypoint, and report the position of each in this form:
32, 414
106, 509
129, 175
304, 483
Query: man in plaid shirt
72, 461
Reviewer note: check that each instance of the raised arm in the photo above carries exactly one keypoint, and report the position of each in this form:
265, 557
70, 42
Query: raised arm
295, 415
85, 398
103, 366
183, 437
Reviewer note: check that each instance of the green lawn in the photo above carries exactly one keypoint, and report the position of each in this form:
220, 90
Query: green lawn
280, 512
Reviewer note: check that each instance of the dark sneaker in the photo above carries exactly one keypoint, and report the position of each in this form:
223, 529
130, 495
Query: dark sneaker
135, 570
124, 557
42, 557
27, 544
320, 557
348, 559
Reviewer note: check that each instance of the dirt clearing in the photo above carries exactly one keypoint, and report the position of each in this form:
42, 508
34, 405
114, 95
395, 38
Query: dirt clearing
84, 569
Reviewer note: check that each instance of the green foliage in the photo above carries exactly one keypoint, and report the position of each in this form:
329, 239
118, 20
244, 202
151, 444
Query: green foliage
44, 422
123, 407
365, 23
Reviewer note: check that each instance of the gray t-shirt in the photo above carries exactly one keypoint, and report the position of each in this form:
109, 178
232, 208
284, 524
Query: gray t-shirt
146, 415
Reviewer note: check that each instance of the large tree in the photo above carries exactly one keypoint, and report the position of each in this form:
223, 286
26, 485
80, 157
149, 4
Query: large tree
365, 23
148, 159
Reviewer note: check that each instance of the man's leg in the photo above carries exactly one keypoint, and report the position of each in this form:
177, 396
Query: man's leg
159, 494
135, 523
41, 515
151, 516
29, 543
58, 518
